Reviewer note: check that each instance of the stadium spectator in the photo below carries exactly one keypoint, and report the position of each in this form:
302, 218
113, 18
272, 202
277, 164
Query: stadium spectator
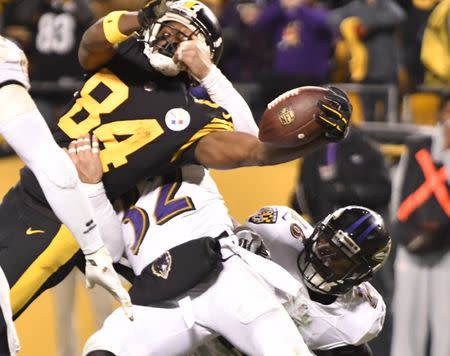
303, 45
353, 171
421, 202
411, 39
369, 30
243, 40
435, 52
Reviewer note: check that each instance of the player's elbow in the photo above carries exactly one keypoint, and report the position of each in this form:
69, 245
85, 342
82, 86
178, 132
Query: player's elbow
83, 48
94, 50
83, 58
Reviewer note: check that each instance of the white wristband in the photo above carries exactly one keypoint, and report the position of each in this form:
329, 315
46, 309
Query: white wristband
93, 190
214, 77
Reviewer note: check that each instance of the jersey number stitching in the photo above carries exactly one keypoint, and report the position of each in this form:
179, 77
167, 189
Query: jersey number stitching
167, 207
140, 132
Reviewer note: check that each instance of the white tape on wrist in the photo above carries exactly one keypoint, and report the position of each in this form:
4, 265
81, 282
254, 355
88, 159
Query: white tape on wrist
93, 190
214, 76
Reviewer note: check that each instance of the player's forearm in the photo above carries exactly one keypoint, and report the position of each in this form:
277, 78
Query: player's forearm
222, 92
106, 218
268, 155
100, 40
228, 150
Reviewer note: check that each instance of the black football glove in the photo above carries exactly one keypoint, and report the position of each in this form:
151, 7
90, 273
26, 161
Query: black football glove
151, 12
335, 112
252, 242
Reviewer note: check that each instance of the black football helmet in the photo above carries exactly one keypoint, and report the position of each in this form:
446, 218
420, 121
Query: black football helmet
194, 15
344, 250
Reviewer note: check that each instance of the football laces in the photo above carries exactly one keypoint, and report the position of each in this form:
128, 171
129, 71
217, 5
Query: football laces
280, 98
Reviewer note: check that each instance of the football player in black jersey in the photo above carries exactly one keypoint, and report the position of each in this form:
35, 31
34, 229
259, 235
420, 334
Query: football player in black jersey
25, 129
136, 101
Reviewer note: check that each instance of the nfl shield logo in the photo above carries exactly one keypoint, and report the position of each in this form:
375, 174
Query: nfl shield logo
286, 115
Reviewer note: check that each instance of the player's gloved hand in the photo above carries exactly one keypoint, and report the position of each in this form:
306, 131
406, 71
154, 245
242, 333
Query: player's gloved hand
252, 242
335, 112
99, 270
151, 11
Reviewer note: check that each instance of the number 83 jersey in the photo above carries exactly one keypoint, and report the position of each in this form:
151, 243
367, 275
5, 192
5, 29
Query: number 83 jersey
147, 124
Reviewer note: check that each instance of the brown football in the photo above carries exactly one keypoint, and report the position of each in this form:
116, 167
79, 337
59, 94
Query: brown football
288, 120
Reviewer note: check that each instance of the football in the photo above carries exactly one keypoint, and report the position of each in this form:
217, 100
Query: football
288, 120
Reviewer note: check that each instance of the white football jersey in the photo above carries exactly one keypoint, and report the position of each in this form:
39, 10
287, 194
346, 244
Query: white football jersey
353, 318
13, 63
170, 213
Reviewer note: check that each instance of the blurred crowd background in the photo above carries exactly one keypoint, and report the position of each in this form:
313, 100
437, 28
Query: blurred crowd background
392, 57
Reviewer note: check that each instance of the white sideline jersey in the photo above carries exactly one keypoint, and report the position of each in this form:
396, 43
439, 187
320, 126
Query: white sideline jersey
353, 318
170, 213
13, 63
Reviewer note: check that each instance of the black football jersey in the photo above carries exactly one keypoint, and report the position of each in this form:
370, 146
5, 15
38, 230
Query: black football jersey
147, 124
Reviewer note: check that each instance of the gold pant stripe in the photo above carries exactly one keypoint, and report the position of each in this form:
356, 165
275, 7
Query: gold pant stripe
58, 253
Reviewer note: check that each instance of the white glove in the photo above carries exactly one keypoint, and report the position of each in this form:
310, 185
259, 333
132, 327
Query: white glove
99, 270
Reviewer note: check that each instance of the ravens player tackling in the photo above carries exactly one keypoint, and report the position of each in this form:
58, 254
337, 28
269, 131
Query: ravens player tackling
337, 310
136, 101
322, 282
